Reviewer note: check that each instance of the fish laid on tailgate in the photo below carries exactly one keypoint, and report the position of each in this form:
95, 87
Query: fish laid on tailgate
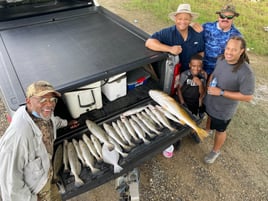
96, 144
168, 103
74, 164
57, 162
148, 123
88, 157
130, 128
161, 117
113, 134
125, 132
117, 147
65, 156
139, 131
91, 147
143, 126
78, 152
111, 157
99, 133
153, 117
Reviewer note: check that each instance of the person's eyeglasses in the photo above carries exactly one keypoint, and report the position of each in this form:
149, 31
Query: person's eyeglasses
43, 100
229, 17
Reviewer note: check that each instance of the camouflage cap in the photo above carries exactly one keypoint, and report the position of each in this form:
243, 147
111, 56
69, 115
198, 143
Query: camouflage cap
40, 88
228, 8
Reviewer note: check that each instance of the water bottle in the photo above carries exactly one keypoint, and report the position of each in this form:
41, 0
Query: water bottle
213, 82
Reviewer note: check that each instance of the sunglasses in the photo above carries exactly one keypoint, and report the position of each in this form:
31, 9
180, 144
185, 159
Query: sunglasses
229, 17
43, 100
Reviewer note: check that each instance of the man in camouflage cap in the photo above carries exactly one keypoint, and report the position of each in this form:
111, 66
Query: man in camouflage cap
216, 34
26, 148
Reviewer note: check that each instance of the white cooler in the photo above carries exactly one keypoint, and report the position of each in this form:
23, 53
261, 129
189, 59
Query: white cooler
115, 87
84, 99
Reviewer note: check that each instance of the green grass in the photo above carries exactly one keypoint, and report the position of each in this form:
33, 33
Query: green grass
253, 16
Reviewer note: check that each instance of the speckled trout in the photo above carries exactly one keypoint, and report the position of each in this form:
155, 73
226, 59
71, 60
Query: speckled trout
173, 107
99, 133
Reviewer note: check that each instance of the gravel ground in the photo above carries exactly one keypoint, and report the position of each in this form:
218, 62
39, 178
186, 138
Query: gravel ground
240, 173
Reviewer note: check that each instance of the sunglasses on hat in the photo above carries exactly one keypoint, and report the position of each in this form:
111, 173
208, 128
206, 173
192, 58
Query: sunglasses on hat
229, 17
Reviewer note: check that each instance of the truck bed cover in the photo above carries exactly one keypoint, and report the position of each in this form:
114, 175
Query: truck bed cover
66, 49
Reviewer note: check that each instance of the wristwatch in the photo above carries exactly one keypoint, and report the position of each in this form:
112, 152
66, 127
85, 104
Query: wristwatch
222, 92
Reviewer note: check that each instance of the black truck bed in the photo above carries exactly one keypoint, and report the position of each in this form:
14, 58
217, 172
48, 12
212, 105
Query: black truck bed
68, 49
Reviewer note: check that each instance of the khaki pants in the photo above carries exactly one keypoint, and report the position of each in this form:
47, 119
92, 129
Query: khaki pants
50, 191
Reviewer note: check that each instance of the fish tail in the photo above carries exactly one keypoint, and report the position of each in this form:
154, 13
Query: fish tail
117, 168
201, 133
95, 170
99, 159
127, 148
132, 144
124, 155
78, 182
146, 141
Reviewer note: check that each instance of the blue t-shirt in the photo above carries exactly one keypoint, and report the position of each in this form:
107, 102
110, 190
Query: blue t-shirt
193, 44
215, 41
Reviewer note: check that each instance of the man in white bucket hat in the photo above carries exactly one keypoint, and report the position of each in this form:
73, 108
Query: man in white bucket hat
179, 39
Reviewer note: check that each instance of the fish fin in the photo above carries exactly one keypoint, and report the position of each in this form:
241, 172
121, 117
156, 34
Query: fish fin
201, 133
117, 168
78, 182
151, 135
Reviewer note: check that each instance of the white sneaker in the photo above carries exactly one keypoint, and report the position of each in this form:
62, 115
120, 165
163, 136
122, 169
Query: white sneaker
211, 157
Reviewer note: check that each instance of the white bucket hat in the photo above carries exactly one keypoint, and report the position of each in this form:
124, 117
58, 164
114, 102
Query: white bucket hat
183, 8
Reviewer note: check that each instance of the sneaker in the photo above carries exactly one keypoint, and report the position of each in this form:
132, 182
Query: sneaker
168, 152
211, 157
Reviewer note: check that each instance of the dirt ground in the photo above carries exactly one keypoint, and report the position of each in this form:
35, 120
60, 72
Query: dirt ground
239, 174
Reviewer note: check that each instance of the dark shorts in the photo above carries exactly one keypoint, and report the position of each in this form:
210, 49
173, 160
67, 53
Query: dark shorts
218, 124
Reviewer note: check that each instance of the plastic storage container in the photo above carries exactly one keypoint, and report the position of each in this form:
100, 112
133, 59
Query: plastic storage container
115, 87
136, 78
84, 99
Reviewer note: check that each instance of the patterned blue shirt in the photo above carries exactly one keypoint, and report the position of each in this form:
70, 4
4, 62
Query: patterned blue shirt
193, 44
215, 41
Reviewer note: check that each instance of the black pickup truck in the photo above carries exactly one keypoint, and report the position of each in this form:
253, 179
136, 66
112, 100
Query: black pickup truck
72, 44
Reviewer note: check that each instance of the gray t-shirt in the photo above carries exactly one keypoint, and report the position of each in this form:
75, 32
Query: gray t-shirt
243, 81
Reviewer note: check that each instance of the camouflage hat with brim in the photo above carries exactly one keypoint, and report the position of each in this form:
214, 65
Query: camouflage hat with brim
228, 8
41, 88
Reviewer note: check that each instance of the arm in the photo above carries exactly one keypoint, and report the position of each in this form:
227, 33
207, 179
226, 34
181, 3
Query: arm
215, 91
156, 45
201, 88
60, 123
181, 100
197, 27
13, 186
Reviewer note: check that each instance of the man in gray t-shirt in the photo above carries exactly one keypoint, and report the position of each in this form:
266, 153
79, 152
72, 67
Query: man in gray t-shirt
235, 82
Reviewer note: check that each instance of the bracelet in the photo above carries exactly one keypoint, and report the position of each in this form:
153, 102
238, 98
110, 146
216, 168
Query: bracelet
222, 92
